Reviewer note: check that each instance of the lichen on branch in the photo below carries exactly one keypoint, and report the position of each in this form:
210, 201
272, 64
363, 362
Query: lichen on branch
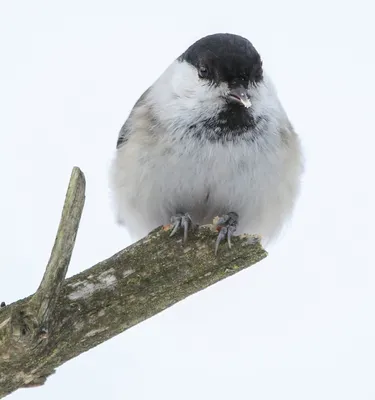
110, 297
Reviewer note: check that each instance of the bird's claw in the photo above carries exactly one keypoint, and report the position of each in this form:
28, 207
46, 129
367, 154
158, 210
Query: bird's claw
182, 221
226, 225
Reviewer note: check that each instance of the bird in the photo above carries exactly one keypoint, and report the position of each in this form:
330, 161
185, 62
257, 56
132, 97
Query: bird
209, 138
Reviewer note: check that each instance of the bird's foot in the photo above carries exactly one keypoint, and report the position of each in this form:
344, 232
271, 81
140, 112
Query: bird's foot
226, 225
182, 221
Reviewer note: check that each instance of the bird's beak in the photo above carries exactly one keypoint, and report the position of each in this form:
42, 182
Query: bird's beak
238, 95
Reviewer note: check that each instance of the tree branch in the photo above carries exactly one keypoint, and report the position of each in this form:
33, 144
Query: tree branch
105, 300
47, 294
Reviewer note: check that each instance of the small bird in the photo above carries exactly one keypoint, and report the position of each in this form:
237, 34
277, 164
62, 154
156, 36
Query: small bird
209, 138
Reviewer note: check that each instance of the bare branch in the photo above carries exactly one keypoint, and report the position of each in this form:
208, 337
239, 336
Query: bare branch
112, 296
47, 294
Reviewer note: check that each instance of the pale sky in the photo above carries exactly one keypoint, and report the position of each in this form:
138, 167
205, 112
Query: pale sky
298, 325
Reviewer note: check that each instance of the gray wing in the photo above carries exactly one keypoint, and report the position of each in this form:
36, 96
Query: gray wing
126, 128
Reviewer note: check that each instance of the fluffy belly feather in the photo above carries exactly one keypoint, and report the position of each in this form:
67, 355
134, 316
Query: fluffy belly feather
206, 181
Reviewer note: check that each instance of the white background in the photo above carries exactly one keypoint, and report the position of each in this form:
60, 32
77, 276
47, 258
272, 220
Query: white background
300, 324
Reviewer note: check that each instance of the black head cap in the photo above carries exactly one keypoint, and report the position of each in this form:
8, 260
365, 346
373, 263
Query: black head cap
224, 57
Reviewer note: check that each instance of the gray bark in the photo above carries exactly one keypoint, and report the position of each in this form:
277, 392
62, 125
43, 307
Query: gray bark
66, 317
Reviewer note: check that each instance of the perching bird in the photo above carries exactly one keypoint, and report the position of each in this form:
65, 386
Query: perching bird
209, 138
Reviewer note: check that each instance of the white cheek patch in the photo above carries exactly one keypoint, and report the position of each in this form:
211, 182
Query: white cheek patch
188, 87
187, 84
180, 94
184, 79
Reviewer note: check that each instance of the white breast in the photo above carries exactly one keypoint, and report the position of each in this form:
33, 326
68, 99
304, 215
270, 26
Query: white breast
152, 181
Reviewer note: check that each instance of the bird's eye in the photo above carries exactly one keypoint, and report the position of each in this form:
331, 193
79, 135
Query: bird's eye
203, 72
